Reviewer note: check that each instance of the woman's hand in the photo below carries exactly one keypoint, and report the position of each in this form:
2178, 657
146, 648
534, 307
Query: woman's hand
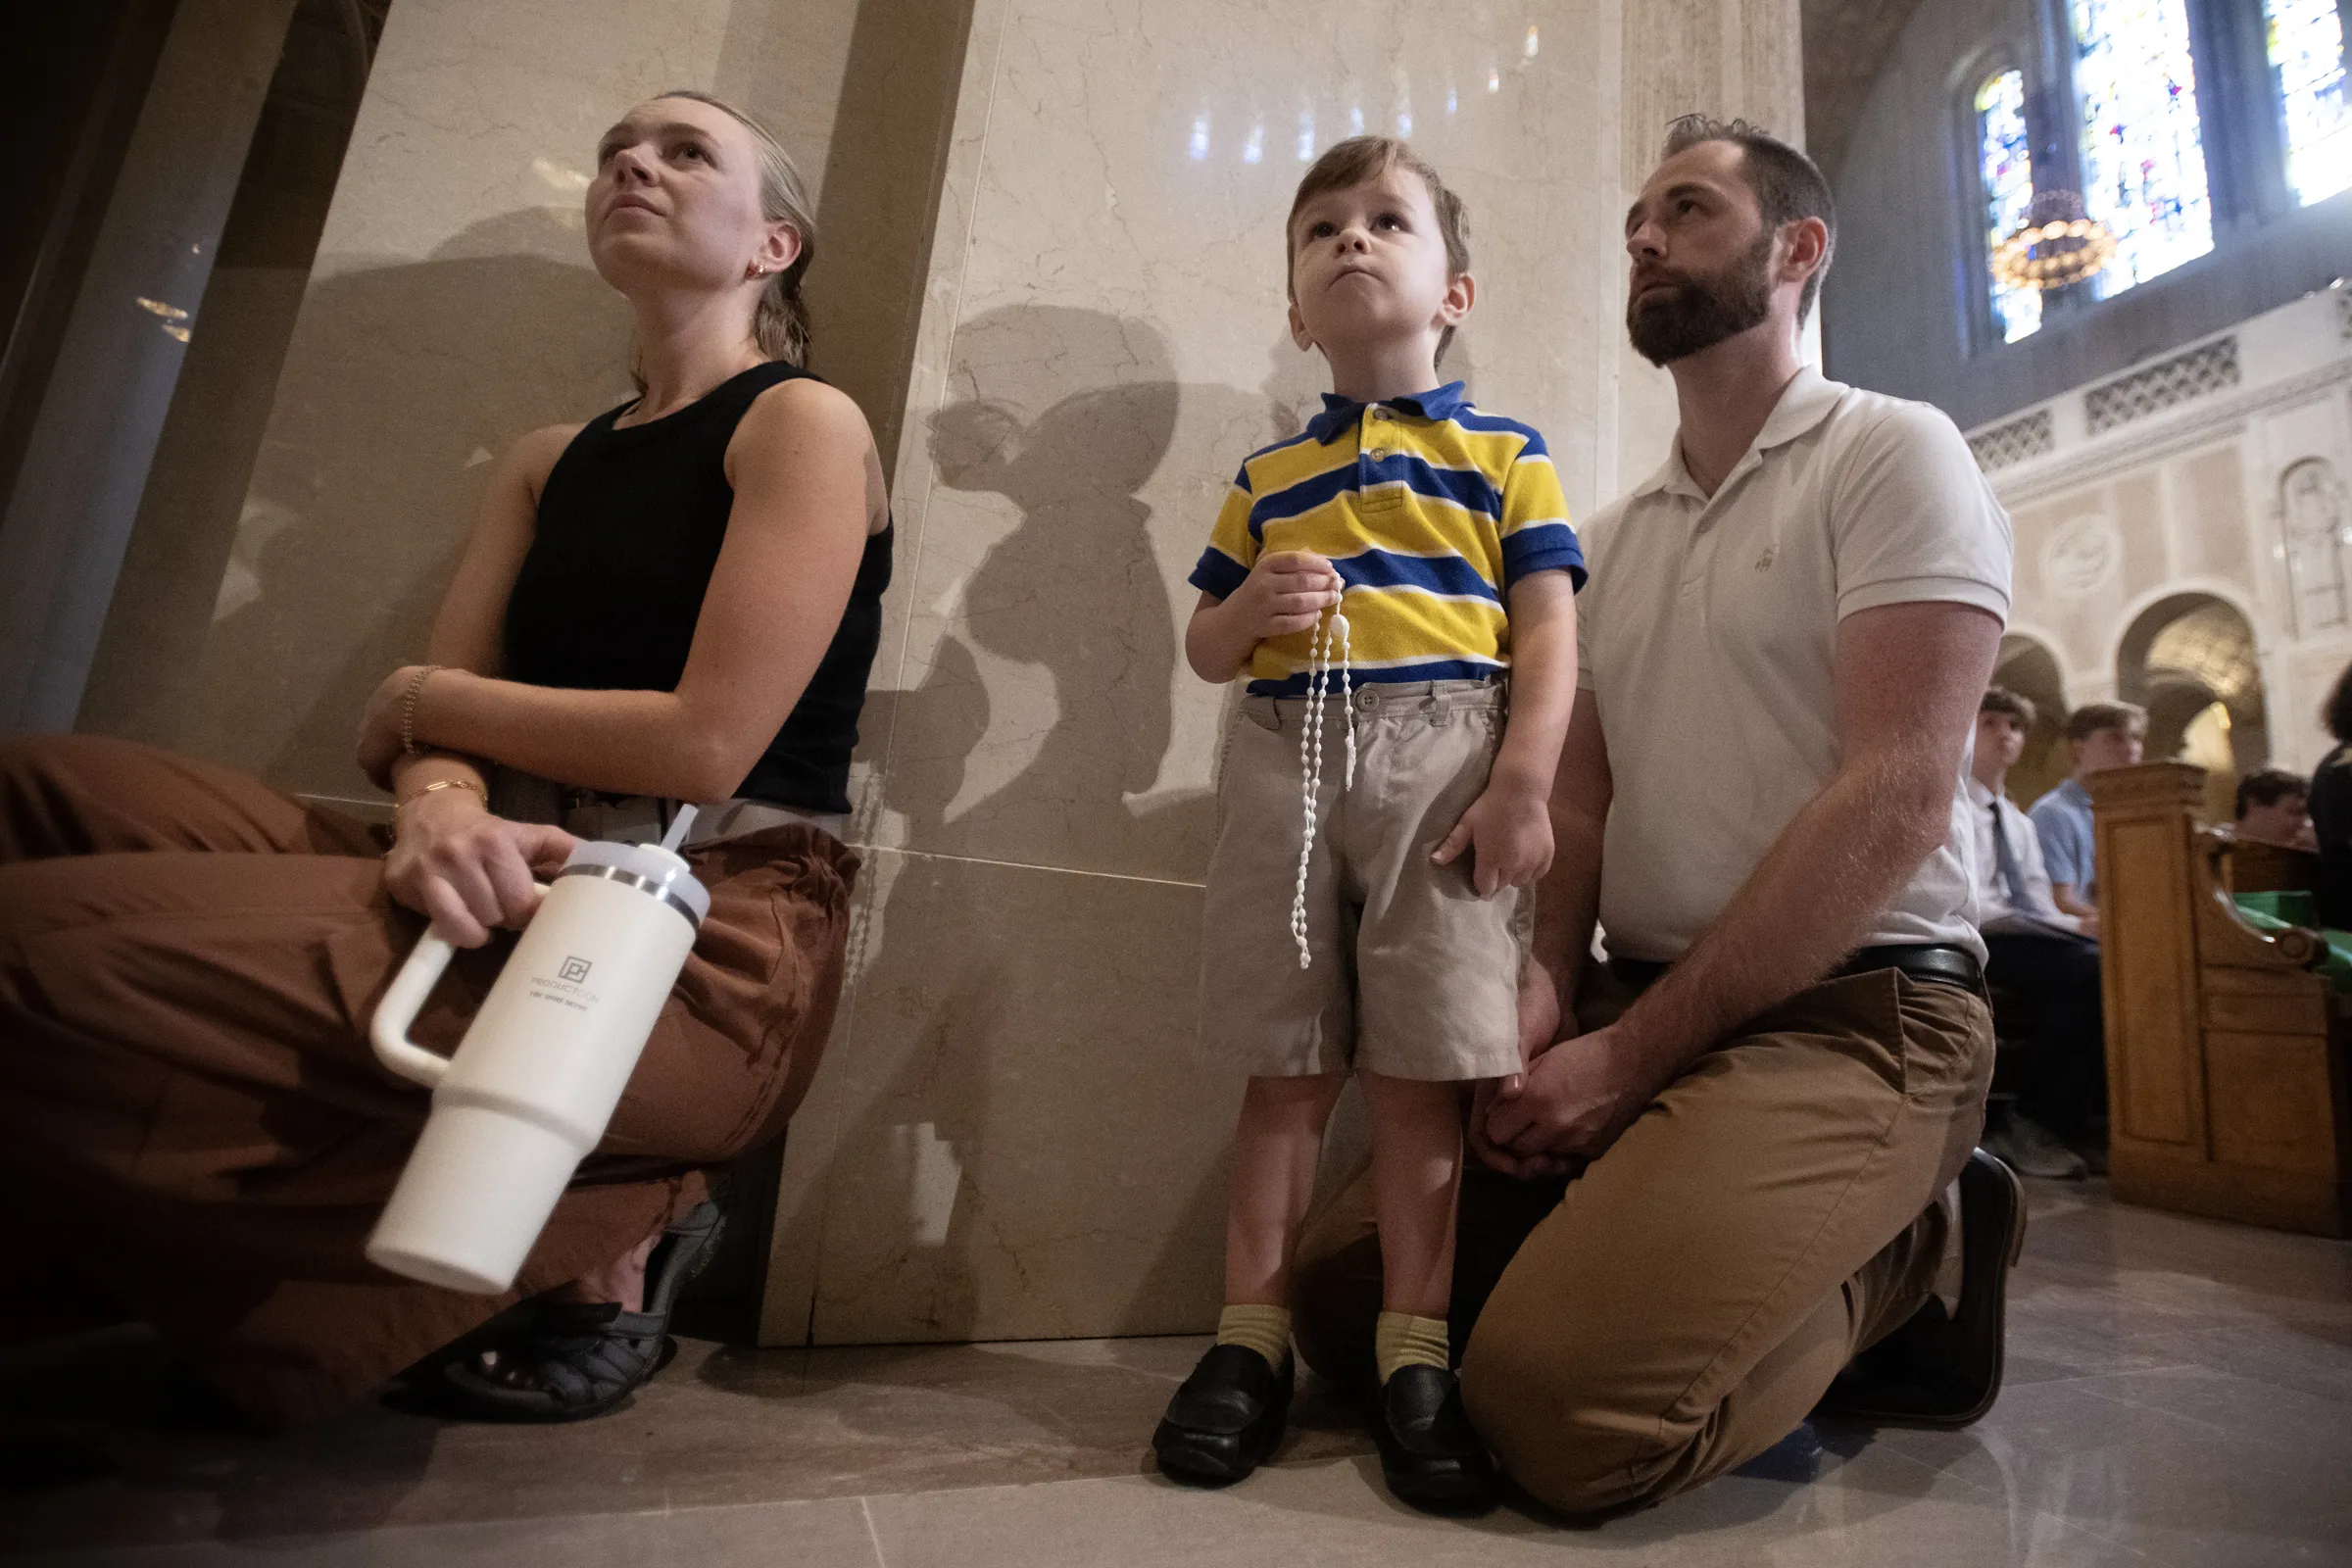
379, 725
466, 870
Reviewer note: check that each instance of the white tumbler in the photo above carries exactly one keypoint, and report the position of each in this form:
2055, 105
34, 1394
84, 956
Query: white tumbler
533, 1083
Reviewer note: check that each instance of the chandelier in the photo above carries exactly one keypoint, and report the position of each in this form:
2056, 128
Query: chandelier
2056, 245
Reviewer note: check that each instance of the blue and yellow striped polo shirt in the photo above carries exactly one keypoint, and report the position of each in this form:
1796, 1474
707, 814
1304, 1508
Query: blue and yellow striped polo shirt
1428, 511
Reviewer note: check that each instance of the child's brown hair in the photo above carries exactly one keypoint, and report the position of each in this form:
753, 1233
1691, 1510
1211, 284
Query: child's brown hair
1362, 159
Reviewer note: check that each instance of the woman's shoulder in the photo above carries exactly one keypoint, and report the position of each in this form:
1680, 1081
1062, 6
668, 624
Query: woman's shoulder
804, 400
792, 412
533, 456
794, 420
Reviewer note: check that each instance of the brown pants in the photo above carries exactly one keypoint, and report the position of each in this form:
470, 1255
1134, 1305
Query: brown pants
193, 1131
1679, 1307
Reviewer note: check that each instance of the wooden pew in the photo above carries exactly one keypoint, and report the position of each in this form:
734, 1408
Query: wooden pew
2251, 867
2227, 1057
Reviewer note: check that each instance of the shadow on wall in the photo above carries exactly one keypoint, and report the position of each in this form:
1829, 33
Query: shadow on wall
1067, 414
405, 386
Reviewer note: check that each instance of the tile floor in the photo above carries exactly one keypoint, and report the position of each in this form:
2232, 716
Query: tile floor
2180, 1393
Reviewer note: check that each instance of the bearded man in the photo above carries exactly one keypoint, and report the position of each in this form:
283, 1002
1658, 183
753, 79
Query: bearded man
1712, 1203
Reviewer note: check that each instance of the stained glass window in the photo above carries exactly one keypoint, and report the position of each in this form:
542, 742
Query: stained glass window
2143, 160
2007, 160
2307, 56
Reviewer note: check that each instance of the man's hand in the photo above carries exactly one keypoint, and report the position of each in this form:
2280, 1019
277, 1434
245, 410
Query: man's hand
1574, 1101
1544, 1022
1508, 833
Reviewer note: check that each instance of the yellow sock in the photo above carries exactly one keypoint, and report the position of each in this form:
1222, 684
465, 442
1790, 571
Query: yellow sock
1403, 1340
1264, 1329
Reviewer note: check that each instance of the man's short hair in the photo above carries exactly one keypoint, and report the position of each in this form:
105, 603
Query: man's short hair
1788, 186
2091, 718
2001, 700
1359, 159
2267, 786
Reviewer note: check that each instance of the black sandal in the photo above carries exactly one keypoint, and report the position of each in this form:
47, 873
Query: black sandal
577, 1359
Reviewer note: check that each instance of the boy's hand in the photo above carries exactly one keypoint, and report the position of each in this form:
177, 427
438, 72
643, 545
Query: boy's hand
1508, 833
1286, 592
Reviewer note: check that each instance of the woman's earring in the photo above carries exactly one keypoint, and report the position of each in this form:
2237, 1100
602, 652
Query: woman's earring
754, 269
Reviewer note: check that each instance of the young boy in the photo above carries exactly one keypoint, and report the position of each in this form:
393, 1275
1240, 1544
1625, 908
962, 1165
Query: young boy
1445, 529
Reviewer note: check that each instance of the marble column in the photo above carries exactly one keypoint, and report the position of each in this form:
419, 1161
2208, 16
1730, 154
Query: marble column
1016, 1135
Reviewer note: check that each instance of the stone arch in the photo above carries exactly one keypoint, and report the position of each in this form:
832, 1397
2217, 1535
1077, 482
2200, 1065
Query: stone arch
2184, 656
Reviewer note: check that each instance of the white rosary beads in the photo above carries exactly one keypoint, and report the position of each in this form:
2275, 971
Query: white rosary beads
1329, 641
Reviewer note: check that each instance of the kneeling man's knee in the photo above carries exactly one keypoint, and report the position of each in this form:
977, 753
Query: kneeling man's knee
1568, 1427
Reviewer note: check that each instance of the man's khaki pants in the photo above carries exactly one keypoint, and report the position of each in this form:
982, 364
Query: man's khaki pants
1680, 1307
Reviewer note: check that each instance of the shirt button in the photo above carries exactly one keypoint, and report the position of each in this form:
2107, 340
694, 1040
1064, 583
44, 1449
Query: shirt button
1376, 413
1378, 453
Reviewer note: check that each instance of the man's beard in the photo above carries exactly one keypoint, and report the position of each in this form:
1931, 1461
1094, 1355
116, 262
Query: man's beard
1703, 312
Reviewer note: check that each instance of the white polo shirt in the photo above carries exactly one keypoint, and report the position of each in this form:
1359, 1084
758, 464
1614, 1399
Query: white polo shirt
1708, 633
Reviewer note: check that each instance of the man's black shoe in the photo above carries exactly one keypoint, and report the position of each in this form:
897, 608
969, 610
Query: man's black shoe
1939, 1370
1428, 1452
1225, 1419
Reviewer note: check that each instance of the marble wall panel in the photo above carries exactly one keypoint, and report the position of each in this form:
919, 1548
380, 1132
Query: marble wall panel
1005, 1156
1120, 345
2217, 539
1012, 1137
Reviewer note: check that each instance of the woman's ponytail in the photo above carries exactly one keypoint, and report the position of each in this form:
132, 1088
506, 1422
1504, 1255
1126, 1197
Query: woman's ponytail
780, 323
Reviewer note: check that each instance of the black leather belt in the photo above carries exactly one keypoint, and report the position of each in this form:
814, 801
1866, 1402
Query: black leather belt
1928, 961
1945, 965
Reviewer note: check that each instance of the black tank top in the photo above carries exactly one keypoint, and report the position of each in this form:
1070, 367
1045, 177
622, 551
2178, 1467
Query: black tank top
630, 521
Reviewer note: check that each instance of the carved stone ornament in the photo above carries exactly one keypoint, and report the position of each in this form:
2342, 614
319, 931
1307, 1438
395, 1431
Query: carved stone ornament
2085, 555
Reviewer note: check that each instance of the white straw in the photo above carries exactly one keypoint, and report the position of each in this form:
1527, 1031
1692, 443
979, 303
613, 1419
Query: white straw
678, 829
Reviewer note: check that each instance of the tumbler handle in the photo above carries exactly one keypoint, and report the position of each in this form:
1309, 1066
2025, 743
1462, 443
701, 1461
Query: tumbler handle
404, 998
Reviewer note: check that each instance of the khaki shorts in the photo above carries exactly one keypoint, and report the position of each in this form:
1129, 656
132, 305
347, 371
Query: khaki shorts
1414, 974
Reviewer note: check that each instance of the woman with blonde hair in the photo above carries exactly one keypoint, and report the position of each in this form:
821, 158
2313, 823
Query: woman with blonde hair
676, 602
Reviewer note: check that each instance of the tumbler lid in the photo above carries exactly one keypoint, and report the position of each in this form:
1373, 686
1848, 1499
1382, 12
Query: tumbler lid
648, 866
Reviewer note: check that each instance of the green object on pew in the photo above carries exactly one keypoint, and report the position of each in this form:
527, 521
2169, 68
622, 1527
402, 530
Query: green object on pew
2295, 906
2258, 909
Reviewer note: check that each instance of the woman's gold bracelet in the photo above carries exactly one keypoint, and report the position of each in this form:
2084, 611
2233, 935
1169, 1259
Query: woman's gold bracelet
443, 784
408, 709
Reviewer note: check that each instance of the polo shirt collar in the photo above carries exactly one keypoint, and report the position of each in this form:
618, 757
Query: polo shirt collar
1340, 413
1804, 403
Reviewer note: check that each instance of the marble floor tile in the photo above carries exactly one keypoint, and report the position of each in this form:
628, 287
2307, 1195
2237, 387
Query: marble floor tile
2182, 1395
807, 1534
2185, 1467
1874, 1509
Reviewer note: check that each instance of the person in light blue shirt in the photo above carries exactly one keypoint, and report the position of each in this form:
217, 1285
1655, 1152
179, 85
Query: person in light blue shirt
2098, 736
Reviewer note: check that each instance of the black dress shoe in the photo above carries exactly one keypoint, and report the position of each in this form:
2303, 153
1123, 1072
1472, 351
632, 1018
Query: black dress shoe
1939, 1370
1225, 1419
1428, 1451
